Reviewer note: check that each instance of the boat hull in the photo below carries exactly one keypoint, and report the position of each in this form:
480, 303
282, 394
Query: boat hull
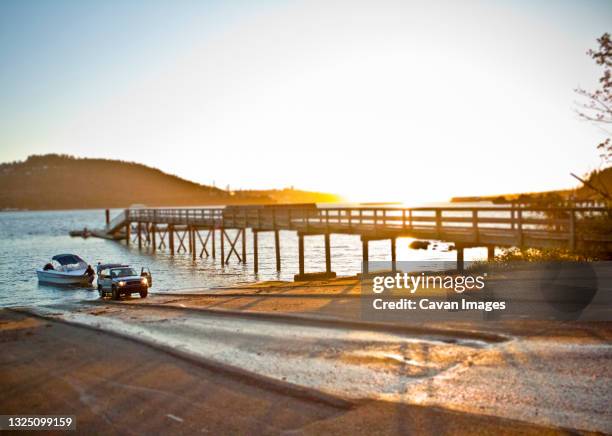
63, 278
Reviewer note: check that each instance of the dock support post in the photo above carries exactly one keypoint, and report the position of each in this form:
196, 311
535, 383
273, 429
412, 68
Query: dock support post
365, 255
189, 240
193, 243
244, 245
460, 264
255, 253
214, 250
128, 236
153, 238
222, 233
327, 254
139, 230
490, 252
301, 252
107, 216
393, 255
277, 250
171, 238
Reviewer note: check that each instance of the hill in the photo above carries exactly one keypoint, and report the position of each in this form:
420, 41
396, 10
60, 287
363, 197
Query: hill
602, 180
52, 181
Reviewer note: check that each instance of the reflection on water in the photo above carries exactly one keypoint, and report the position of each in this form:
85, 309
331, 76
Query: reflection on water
28, 240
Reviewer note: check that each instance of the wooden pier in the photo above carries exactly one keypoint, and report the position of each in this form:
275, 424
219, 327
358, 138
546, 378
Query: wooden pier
196, 230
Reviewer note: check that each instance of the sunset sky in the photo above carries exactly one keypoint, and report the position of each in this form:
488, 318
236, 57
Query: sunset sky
375, 100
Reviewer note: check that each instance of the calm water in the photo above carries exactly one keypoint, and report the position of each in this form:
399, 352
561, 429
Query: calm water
28, 240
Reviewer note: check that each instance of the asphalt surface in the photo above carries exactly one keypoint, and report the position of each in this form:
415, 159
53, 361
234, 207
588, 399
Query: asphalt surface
116, 384
549, 377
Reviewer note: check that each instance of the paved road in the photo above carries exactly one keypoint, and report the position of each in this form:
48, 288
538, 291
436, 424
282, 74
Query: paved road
547, 379
115, 386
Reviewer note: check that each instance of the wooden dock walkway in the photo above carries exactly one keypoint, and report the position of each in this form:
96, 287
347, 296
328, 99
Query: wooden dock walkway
193, 230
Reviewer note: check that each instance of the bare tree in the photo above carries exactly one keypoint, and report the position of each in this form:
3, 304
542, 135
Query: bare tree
598, 105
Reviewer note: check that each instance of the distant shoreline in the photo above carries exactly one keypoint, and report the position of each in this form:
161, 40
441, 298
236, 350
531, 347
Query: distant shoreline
601, 180
60, 182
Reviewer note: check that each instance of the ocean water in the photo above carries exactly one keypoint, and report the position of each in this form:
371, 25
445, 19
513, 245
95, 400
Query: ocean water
28, 240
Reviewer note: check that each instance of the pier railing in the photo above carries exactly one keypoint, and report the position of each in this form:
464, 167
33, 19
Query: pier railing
179, 216
117, 222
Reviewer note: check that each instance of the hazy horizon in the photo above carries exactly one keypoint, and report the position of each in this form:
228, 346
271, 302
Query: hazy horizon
375, 101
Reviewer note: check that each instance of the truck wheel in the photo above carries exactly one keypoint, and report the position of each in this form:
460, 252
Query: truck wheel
101, 292
144, 293
115, 293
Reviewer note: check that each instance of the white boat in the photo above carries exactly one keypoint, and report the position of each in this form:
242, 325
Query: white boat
66, 269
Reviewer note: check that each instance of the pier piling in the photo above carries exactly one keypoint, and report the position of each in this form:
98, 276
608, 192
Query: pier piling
327, 254
222, 234
365, 254
244, 246
460, 253
277, 249
301, 253
255, 253
193, 244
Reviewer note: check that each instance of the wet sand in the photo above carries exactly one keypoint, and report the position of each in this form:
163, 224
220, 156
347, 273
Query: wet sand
339, 300
296, 357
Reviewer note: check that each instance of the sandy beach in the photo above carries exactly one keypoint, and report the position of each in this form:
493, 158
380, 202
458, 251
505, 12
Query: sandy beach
296, 357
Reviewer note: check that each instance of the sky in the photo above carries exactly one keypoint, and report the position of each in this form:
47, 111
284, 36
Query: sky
375, 100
